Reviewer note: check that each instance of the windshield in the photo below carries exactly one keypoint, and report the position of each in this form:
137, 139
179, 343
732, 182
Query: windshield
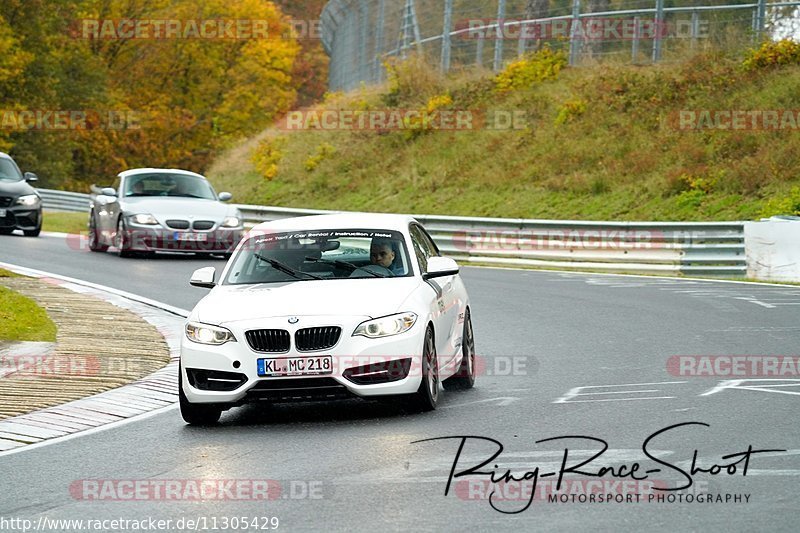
9, 170
172, 185
320, 255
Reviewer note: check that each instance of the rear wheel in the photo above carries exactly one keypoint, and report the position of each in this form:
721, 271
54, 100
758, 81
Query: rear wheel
95, 244
196, 414
465, 377
427, 396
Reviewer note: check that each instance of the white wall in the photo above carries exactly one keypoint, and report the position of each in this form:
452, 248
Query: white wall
773, 249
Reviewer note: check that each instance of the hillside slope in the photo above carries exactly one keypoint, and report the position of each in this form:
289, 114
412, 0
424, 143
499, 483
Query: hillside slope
602, 142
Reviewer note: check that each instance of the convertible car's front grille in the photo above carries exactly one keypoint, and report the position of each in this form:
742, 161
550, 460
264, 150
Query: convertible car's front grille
315, 339
203, 225
268, 340
5, 201
178, 224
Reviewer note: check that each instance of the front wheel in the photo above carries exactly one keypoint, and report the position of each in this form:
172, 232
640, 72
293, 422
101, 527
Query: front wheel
95, 243
427, 396
122, 240
33, 232
464, 378
196, 414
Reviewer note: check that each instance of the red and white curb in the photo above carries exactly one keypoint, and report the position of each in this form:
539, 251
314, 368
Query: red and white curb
146, 397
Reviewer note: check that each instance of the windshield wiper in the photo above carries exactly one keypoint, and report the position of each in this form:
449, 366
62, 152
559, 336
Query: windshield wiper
284, 268
344, 264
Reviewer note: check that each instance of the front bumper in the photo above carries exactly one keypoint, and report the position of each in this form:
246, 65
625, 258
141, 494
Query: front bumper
148, 239
21, 217
362, 367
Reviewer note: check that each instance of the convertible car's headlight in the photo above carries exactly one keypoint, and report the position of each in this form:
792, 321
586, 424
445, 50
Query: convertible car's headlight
386, 326
144, 219
207, 334
28, 200
231, 222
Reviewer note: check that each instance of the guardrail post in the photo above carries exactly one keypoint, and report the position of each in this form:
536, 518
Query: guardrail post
448, 27
637, 21
498, 44
695, 28
379, 22
479, 50
659, 23
575, 33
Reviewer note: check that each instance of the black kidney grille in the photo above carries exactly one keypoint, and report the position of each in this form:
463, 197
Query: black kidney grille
314, 339
178, 224
5, 201
268, 340
203, 225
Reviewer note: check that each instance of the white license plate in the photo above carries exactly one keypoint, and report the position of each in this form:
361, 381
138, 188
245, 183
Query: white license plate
3, 213
191, 237
295, 366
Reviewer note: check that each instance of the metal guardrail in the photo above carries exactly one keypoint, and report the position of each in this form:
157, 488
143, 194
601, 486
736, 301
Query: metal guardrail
63, 200
707, 249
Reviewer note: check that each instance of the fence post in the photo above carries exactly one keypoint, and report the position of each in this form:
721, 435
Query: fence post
363, 19
761, 11
635, 42
659, 23
448, 27
695, 28
498, 44
379, 22
575, 33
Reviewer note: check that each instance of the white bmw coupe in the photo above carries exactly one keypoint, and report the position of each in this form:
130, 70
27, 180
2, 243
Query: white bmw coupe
327, 307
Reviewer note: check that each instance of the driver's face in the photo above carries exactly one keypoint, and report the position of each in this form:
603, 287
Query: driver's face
381, 255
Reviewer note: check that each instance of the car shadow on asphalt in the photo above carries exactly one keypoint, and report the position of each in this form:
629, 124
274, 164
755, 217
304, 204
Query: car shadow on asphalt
267, 414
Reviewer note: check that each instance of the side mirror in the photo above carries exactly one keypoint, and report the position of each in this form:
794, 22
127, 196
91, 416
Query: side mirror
30, 177
439, 267
108, 191
204, 278
225, 197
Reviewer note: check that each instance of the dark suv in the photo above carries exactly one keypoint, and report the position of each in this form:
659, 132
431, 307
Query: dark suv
20, 204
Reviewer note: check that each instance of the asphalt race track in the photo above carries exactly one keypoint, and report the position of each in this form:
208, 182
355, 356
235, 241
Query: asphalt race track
578, 355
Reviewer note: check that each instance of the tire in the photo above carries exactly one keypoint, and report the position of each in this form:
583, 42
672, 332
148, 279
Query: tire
196, 414
427, 396
465, 377
36, 231
95, 244
6, 231
121, 242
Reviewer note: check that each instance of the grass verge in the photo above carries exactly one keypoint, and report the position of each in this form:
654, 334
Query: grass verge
58, 221
21, 319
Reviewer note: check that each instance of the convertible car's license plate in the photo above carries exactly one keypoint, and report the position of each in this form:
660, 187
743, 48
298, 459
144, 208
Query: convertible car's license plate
194, 237
295, 366
2, 213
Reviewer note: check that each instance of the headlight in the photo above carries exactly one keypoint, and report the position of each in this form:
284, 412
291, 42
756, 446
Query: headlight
144, 220
28, 200
386, 326
206, 334
231, 222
